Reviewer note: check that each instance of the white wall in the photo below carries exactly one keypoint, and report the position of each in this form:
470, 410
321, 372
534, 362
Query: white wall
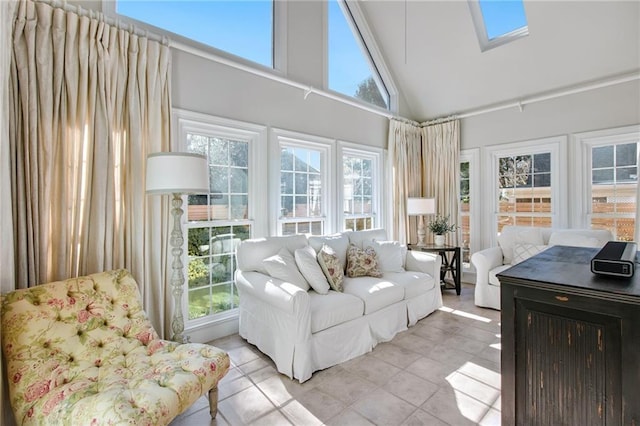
208, 87
613, 106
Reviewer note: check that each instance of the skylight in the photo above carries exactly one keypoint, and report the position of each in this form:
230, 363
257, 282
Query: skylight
498, 21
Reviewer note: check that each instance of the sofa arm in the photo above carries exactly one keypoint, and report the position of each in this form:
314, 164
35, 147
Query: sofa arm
283, 295
421, 261
484, 261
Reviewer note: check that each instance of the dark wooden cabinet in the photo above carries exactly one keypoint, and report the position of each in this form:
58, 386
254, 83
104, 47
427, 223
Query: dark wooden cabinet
570, 342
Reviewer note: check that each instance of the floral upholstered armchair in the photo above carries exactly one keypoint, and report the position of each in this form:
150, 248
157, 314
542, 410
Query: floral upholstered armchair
82, 351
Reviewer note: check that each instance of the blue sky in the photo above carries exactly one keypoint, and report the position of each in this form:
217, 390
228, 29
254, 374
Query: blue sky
502, 16
244, 28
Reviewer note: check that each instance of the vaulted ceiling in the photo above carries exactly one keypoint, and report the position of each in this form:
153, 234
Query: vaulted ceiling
432, 51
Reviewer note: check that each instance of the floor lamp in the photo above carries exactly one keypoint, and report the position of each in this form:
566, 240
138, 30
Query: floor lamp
420, 207
177, 173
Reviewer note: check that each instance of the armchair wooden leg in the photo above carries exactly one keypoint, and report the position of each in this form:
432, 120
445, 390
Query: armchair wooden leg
213, 402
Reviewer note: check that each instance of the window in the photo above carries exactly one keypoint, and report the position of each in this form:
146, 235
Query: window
469, 206
360, 188
613, 182
304, 184
242, 28
524, 184
465, 211
219, 220
351, 70
498, 22
529, 187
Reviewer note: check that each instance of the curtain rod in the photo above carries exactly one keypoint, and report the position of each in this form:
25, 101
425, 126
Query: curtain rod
569, 90
91, 13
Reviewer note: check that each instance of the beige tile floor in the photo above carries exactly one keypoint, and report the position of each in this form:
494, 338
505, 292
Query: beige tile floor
443, 371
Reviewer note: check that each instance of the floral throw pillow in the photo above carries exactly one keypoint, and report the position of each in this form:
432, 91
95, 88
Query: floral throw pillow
331, 267
361, 263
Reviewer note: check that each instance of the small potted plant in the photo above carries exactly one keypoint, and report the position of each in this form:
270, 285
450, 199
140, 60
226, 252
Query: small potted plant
440, 226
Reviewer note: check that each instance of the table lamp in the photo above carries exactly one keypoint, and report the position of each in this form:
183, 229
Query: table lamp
420, 207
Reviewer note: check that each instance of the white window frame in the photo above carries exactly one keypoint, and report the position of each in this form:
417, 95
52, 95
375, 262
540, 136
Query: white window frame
284, 138
377, 170
557, 146
185, 122
472, 156
582, 145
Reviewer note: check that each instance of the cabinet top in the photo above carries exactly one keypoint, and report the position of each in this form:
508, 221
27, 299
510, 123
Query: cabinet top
570, 266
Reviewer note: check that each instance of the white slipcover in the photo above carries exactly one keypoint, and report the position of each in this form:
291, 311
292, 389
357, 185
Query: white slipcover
303, 331
491, 261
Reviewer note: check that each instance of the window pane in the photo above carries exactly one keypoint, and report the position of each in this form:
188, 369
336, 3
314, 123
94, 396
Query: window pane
542, 162
602, 176
602, 157
350, 70
627, 174
243, 28
626, 154
239, 154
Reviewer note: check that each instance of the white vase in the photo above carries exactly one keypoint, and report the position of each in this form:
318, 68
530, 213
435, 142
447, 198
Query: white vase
438, 240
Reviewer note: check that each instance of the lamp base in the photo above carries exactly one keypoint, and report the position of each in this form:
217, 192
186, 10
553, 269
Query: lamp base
421, 233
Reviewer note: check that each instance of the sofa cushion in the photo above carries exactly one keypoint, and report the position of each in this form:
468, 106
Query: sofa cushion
252, 252
338, 242
514, 234
390, 254
493, 279
360, 238
362, 262
332, 309
311, 270
283, 266
576, 238
376, 293
414, 283
331, 266
523, 251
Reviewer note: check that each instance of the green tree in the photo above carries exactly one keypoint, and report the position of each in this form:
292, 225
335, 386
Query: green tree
368, 91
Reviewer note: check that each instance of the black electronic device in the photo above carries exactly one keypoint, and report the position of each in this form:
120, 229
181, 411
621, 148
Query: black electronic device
617, 258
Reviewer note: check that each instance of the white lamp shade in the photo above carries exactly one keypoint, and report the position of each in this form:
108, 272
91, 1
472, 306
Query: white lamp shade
421, 206
177, 172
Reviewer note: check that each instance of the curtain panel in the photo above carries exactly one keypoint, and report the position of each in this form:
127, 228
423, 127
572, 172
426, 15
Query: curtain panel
424, 163
405, 152
440, 162
88, 102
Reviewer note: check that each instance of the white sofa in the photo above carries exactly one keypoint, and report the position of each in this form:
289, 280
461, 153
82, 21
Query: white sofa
517, 243
304, 331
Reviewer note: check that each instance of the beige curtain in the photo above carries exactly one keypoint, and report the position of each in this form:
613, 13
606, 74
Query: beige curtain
440, 159
406, 177
89, 101
7, 273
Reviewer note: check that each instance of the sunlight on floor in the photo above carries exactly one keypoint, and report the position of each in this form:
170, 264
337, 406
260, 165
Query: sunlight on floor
465, 314
474, 388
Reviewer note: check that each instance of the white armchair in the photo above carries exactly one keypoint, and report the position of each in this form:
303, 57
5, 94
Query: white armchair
517, 243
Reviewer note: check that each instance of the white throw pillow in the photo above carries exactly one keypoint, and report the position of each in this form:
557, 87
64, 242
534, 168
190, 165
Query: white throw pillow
310, 269
523, 251
390, 255
283, 266
511, 236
